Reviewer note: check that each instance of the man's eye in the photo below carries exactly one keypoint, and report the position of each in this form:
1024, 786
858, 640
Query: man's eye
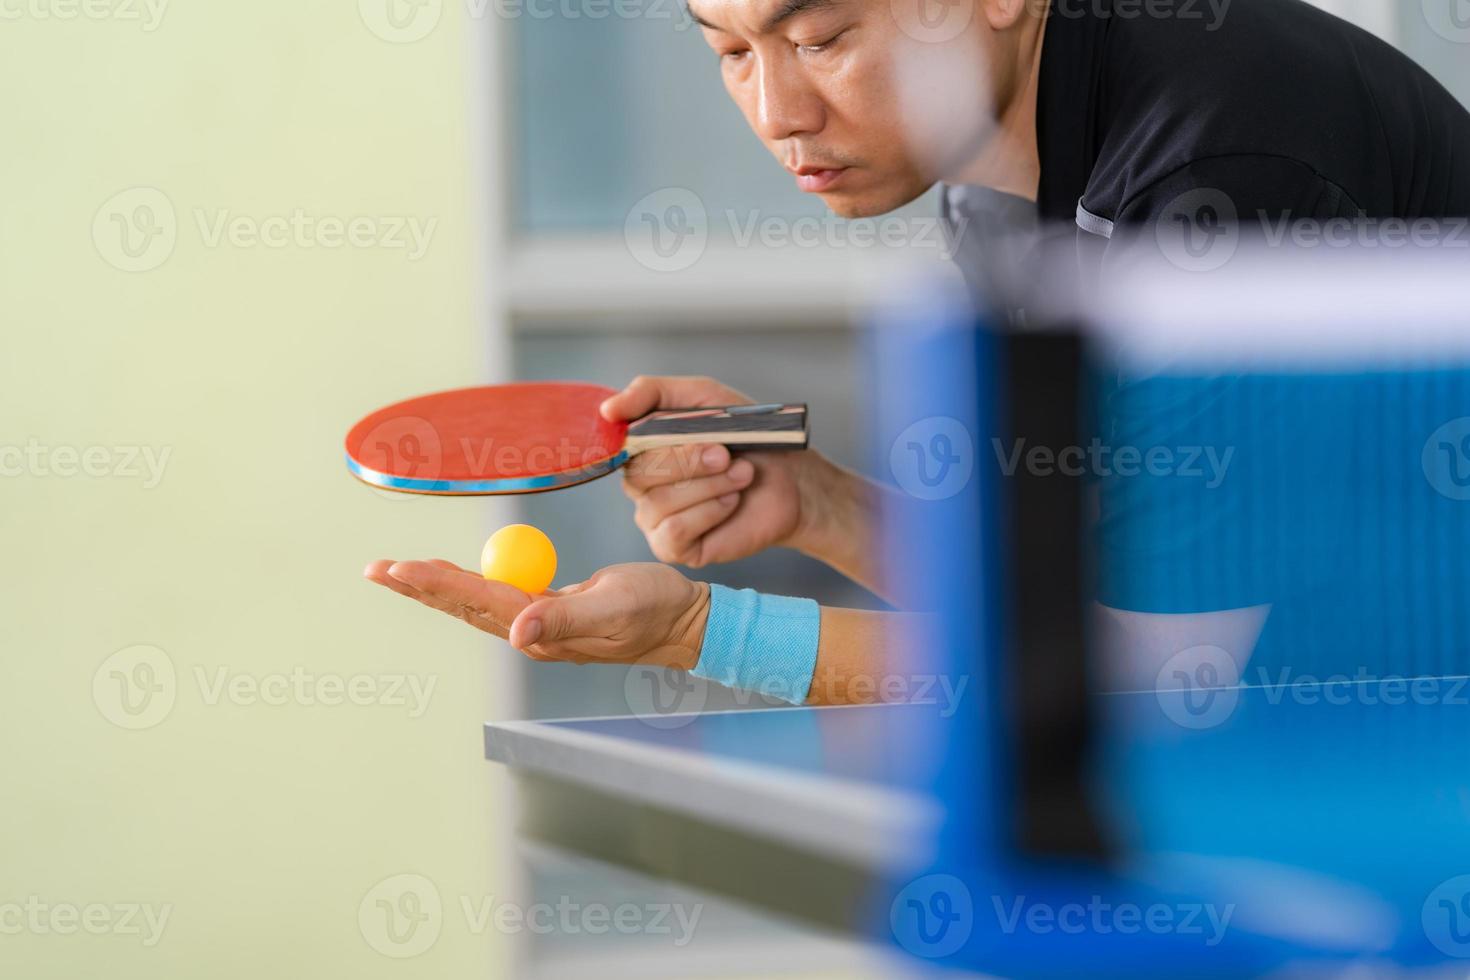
822, 46
733, 56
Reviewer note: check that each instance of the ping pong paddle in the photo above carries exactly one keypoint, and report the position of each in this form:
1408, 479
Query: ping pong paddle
536, 436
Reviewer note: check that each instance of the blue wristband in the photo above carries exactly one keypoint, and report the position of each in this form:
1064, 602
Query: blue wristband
761, 643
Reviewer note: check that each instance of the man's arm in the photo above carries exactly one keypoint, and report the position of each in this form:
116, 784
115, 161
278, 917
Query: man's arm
859, 657
842, 517
698, 505
1184, 216
651, 614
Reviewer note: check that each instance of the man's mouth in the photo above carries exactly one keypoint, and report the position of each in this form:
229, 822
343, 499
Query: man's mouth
815, 180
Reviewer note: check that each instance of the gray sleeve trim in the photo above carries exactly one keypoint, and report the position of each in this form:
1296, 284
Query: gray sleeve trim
1093, 224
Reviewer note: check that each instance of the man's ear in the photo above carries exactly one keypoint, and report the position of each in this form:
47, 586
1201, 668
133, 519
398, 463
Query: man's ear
1002, 15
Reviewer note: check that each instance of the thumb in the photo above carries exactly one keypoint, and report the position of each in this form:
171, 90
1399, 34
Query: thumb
647, 392
557, 618
643, 395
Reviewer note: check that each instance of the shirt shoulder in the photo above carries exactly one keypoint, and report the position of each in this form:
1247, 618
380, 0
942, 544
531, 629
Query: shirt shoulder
1279, 100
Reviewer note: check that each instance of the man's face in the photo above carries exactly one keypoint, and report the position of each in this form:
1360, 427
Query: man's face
839, 94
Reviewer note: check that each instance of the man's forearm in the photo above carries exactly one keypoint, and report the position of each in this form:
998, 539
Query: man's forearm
842, 517
860, 658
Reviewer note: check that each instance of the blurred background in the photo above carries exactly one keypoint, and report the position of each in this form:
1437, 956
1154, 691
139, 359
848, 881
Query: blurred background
227, 232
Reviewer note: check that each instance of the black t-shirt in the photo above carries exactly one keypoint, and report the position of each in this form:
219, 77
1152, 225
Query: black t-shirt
1271, 110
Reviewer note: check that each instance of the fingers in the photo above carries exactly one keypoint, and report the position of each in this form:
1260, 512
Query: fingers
657, 503
646, 393
441, 585
675, 517
673, 466
679, 538
450, 583
549, 622
448, 565
378, 572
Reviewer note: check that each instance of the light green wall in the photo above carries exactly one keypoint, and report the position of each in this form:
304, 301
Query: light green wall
262, 827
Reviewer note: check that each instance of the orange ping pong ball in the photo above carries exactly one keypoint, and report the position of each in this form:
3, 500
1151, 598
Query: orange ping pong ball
520, 555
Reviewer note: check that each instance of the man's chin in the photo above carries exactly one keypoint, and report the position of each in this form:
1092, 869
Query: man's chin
850, 204
845, 206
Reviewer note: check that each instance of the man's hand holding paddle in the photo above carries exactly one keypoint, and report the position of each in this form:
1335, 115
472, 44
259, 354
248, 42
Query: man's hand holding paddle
699, 505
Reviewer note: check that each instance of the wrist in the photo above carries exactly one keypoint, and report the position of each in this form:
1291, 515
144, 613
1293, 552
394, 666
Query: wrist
690, 627
767, 644
834, 505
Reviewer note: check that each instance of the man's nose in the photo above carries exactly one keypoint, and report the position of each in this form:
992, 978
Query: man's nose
788, 105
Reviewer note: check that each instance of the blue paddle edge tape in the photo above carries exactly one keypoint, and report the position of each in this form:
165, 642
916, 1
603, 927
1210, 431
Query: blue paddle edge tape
524, 484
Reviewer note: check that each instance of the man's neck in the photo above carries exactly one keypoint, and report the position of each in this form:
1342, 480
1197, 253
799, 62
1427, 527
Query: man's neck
1011, 159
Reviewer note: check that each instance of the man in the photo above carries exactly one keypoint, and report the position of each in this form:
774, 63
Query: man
1103, 119
1111, 118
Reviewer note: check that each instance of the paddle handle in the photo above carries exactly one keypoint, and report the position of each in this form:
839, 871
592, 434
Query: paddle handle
746, 427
